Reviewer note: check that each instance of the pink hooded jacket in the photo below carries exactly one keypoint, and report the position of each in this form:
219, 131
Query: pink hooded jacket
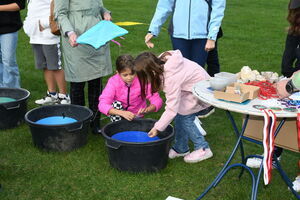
180, 75
130, 96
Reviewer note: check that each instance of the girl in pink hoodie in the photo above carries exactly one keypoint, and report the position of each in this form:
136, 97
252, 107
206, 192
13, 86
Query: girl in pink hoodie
122, 97
176, 75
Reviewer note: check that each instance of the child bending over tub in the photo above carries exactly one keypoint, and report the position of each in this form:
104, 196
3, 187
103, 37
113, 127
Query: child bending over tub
176, 75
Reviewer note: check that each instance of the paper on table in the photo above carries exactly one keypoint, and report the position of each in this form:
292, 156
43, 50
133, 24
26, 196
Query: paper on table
101, 33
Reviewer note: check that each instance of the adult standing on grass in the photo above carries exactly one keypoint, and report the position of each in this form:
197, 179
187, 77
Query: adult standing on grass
46, 49
193, 28
83, 63
10, 23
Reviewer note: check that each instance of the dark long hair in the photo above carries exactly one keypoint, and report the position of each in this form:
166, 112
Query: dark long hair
149, 69
294, 20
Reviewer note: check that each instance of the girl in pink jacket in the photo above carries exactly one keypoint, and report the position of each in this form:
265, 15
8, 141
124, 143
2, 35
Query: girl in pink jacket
176, 75
122, 97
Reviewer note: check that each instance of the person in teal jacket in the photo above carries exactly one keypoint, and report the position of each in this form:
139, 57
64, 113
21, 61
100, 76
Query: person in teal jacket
193, 28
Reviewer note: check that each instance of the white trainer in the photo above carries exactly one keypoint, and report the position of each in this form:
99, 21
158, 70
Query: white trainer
49, 99
296, 184
173, 154
256, 162
64, 98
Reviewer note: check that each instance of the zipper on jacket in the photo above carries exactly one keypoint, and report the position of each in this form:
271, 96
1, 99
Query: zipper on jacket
189, 26
128, 92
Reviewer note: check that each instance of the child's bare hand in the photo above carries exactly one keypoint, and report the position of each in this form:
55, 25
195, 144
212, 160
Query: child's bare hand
41, 27
128, 115
142, 111
153, 132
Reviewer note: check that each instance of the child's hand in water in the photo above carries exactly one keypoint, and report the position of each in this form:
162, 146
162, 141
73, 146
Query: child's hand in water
128, 115
153, 132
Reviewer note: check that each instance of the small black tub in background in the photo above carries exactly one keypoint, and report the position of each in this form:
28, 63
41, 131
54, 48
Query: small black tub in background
137, 157
65, 137
12, 113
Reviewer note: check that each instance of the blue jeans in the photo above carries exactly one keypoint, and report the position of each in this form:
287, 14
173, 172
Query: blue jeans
191, 49
186, 129
9, 71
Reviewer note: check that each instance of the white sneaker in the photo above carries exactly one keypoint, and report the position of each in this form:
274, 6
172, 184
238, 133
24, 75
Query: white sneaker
49, 99
64, 98
173, 154
256, 162
296, 184
198, 155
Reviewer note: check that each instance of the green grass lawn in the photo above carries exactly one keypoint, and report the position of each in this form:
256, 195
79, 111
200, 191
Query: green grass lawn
254, 35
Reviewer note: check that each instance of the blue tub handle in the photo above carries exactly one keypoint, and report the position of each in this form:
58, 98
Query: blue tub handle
70, 129
13, 107
112, 144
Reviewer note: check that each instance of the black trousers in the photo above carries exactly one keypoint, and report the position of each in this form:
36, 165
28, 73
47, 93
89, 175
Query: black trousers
94, 90
213, 65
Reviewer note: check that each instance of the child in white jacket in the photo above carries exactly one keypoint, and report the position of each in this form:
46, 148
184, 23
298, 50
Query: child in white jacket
46, 48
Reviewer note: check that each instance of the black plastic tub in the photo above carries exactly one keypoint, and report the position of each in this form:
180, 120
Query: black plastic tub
64, 137
12, 113
137, 157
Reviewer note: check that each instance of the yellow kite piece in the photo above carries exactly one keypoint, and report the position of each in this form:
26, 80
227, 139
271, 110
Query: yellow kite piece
128, 23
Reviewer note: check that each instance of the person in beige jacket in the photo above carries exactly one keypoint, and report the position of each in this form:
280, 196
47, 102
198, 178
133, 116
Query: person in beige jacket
83, 63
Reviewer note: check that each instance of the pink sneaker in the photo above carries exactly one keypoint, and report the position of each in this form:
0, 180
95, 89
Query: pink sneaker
198, 155
173, 154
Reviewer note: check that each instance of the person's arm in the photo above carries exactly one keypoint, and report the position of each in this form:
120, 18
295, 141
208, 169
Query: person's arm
216, 16
12, 7
123, 113
289, 55
154, 99
148, 109
61, 10
287, 87
173, 94
163, 9
106, 14
107, 97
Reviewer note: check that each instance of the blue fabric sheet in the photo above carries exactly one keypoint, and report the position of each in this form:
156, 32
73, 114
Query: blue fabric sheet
134, 136
101, 33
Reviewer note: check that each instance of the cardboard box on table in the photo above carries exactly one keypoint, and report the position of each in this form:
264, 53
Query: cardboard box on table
287, 137
246, 92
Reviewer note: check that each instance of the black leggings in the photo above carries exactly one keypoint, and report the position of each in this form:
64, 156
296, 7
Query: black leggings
94, 91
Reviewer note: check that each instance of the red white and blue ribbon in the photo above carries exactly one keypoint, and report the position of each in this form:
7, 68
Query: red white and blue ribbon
268, 143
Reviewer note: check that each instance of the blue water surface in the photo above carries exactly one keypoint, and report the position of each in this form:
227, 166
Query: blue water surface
134, 136
6, 99
56, 120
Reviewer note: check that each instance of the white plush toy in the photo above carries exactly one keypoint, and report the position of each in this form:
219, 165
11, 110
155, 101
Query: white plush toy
247, 75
